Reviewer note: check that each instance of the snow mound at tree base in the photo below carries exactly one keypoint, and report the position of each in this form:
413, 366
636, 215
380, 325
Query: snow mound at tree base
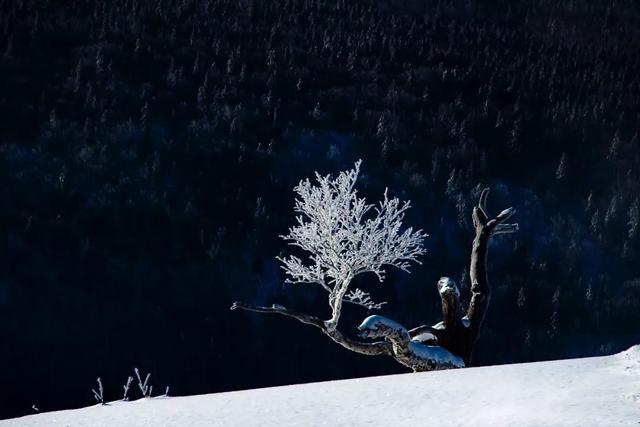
598, 391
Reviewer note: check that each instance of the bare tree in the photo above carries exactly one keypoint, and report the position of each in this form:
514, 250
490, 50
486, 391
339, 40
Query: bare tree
345, 237
456, 334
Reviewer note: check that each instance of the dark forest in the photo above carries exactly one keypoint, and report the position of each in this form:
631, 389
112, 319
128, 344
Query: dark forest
148, 151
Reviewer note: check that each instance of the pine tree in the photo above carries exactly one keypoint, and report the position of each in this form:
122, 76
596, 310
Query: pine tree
561, 170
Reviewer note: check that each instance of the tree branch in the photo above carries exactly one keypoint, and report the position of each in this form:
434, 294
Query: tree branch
369, 349
278, 309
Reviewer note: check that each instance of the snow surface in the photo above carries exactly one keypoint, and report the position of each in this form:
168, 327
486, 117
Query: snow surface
425, 336
599, 391
439, 355
375, 322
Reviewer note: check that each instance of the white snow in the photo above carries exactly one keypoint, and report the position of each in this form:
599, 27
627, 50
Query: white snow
375, 322
439, 325
425, 336
439, 355
465, 322
600, 391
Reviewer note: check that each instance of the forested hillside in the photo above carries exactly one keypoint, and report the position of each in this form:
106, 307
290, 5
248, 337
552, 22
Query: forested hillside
148, 150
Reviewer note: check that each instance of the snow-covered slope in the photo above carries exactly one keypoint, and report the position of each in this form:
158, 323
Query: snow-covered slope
599, 391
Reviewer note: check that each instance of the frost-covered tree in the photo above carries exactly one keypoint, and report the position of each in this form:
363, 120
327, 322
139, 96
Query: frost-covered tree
344, 237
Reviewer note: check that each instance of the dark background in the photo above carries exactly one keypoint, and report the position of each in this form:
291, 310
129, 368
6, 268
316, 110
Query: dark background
148, 150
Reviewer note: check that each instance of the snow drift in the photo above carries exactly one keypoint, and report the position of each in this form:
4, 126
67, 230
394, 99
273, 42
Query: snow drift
598, 391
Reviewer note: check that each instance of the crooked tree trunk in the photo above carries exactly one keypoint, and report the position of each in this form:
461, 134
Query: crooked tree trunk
335, 302
459, 335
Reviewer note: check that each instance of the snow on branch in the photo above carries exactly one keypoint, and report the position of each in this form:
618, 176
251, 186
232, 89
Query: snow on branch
345, 236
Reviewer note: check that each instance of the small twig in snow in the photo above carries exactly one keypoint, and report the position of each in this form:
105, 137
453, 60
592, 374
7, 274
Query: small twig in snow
126, 388
143, 386
99, 395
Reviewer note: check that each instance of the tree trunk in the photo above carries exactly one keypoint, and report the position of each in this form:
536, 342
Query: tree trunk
460, 335
335, 302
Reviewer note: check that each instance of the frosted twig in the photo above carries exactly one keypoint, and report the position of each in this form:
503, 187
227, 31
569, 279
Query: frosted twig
99, 394
143, 386
126, 387
359, 297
